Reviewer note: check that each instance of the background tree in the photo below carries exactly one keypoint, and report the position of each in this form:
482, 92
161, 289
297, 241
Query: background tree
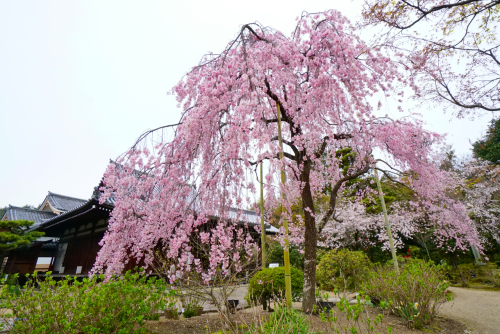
488, 147
15, 233
481, 194
318, 79
429, 37
276, 255
2, 210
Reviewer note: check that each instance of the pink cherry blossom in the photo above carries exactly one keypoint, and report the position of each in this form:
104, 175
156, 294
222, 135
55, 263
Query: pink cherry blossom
322, 78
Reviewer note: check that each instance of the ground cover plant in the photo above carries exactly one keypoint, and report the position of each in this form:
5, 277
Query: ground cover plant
117, 305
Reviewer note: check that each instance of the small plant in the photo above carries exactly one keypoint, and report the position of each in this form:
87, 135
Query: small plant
470, 274
191, 306
408, 312
191, 310
358, 319
493, 277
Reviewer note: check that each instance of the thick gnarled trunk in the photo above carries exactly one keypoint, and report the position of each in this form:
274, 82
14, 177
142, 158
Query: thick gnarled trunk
310, 243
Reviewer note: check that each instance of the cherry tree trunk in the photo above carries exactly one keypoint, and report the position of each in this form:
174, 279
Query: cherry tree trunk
310, 243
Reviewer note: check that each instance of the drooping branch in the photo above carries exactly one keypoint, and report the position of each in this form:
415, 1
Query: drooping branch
452, 98
334, 193
391, 179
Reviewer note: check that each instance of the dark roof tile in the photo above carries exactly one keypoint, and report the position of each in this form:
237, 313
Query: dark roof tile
16, 213
64, 203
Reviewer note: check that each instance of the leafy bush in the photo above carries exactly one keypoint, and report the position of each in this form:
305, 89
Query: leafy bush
342, 269
190, 311
269, 284
119, 305
190, 305
416, 294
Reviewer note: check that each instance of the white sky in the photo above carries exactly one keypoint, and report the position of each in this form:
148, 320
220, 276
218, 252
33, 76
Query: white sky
81, 80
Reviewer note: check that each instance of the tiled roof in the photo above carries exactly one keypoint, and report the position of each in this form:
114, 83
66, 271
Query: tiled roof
64, 203
246, 216
16, 213
272, 229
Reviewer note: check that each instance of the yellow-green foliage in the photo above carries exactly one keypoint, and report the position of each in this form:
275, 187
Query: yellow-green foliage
342, 269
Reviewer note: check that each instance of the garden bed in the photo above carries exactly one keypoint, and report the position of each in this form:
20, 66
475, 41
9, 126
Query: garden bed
211, 323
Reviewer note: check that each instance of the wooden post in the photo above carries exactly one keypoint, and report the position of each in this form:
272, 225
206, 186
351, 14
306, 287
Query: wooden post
288, 277
387, 225
262, 225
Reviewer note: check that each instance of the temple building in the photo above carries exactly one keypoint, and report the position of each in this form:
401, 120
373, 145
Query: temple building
73, 228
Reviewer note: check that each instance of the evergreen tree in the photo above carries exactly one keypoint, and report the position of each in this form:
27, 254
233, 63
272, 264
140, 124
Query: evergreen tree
488, 147
15, 233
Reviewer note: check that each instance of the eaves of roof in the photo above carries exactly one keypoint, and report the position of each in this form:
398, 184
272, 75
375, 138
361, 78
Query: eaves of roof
91, 204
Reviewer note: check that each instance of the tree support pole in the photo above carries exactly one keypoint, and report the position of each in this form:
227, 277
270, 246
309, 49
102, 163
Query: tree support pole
288, 278
262, 225
387, 225
477, 255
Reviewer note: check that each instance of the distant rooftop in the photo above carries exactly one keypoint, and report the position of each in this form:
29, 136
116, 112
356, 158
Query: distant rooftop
17, 213
63, 203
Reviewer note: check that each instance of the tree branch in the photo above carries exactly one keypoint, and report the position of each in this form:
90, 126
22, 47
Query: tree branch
333, 195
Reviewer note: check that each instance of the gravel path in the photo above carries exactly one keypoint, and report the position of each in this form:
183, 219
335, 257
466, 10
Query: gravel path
479, 310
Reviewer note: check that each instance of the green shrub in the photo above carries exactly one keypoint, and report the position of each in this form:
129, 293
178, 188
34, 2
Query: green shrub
190, 311
342, 269
119, 305
416, 294
269, 284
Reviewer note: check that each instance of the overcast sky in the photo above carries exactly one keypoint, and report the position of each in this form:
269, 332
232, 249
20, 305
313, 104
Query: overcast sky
81, 80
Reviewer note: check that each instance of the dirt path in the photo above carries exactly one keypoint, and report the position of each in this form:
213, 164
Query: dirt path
479, 310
